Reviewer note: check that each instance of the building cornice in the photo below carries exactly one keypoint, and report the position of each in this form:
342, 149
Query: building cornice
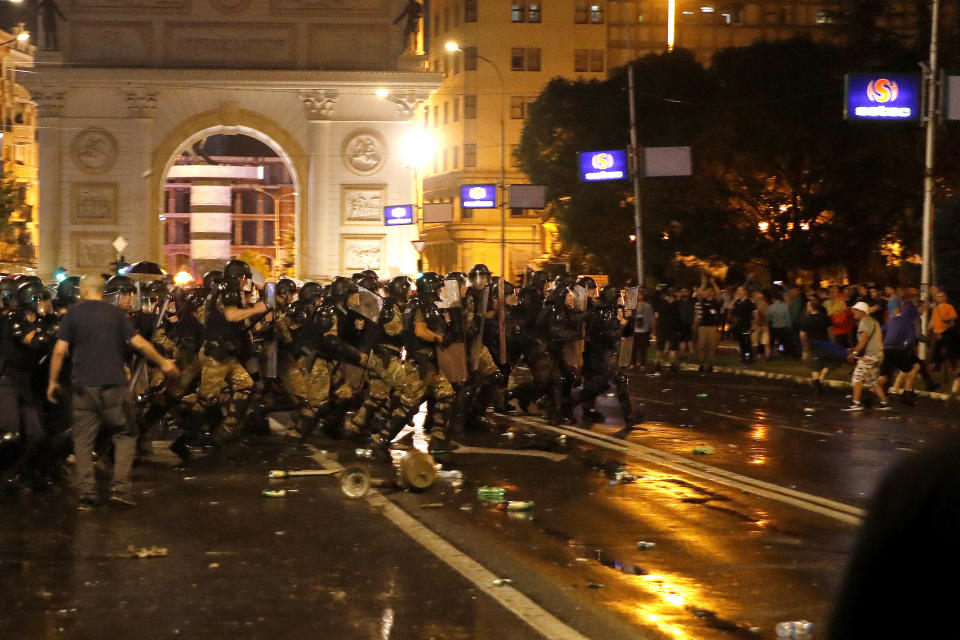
283, 80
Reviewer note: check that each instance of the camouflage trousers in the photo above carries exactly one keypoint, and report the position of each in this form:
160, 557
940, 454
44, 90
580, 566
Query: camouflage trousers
429, 384
224, 384
386, 374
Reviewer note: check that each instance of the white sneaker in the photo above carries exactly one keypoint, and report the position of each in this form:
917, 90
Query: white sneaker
883, 406
854, 406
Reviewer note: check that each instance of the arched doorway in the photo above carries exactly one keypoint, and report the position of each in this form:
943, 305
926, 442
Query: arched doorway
231, 121
262, 203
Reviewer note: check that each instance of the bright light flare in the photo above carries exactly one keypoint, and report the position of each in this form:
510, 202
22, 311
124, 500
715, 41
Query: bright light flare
23, 36
671, 23
418, 147
452, 46
182, 279
381, 93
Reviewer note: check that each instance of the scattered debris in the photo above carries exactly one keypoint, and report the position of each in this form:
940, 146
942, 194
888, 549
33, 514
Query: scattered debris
466, 507
622, 476
643, 545
213, 565
450, 474
280, 493
702, 395
500, 582
431, 505
140, 553
594, 585
492, 494
799, 629
581, 559
519, 505
703, 450
296, 473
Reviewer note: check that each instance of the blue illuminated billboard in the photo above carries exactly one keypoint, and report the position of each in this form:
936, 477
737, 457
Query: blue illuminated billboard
882, 96
478, 196
398, 214
598, 166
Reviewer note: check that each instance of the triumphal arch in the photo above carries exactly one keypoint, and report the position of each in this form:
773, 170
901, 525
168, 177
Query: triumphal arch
128, 87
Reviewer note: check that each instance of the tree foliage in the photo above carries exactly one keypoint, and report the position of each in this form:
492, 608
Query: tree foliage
780, 179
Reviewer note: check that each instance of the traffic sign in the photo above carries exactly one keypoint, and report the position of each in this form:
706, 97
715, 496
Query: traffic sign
418, 245
120, 243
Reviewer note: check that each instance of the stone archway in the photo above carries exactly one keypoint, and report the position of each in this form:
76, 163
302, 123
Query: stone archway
229, 119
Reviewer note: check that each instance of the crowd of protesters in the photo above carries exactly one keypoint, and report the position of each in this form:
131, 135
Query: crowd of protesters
890, 334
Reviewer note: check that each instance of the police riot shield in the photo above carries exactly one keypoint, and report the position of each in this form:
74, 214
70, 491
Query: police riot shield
270, 295
366, 304
268, 359
482, 301
573, 349
630, 297
452, 359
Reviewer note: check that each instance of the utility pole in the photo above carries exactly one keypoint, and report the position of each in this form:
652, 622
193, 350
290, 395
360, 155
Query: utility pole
638, 170
930, 83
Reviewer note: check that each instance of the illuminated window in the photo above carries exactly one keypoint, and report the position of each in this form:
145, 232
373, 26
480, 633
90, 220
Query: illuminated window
470, 154
533, 12
446, 19
469, 107
587, 12
518, 12
470, 11
824, 17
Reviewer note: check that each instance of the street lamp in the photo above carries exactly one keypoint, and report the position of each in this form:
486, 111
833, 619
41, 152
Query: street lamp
453, 47
23, 36
276, 224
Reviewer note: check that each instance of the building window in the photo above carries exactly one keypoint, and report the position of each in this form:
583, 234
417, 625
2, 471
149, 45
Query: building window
518, 12
178, 232
596, 60
824, 17
446, 65
446, 19
587, 12
248, 233
470, 59
426, 116
436, 24
181, 201
268, 238
470, 11
533, 12
436, 115
456, 15
733, 14
470, 154
469, 109
525, 59
456, 64
456, 109
520, 107
514, 151
456, 158
581, 60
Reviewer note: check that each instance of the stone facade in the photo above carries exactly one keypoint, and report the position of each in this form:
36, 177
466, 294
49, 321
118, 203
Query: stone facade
138, 81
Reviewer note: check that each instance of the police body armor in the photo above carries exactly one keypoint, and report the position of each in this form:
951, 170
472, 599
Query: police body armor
452, 356
223, 339
562, 330
378, 339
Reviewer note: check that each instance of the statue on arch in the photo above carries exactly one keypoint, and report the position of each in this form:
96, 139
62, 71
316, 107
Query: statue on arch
47, 14
412, 12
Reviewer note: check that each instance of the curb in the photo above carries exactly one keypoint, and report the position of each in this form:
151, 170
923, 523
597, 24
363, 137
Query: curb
837, 384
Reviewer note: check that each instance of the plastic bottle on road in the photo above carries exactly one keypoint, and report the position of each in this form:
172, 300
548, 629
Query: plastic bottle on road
450, 474
798, 629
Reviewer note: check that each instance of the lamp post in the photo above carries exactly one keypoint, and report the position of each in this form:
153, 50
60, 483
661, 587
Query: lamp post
23, 36
453, 47
276, 224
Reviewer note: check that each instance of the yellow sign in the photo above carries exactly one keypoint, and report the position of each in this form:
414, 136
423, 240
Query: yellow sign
599, 279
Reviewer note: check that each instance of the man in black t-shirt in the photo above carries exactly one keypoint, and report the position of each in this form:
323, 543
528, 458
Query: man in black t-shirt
741, 318
707, 323
97, 333
668, 321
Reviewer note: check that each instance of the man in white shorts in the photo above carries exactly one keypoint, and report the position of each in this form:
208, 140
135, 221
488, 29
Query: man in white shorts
868, 354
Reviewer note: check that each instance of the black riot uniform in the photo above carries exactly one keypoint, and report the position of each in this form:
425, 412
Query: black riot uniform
485, 376
423, 330
386, 370
601, 368
561, 327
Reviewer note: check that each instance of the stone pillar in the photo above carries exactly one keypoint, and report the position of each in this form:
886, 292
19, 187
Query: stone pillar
49, 199
318, 105
211, 209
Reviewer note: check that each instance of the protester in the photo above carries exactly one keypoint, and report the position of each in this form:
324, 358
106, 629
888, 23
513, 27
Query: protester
741, 321
900, 362
96, 334
815, 331
707, 324
781, 328
668, 330
760, 334
642, 328
868, 354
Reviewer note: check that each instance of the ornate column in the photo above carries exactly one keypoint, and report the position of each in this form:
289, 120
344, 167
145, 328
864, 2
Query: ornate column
318, 107
49, 102
142, 108
211, 209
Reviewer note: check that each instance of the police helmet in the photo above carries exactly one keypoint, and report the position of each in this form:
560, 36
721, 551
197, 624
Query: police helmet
285, 287
538, 280
8, 293
367, 281
120, 284
587, 283
342, 287
155, 289
30, 293
459, 276
300, 311
237, 270
310, 292
399, 288
508, 288
429, 284
68, 290
212, 278
608, 295
479, 275
564, 281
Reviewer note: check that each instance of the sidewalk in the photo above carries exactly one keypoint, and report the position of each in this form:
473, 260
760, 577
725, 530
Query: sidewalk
728, 361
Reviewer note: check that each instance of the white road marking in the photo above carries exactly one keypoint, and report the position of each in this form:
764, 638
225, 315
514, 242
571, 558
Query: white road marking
824, 506
538, 618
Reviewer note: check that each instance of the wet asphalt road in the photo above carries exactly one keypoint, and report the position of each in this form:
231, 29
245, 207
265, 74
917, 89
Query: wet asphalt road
726, 564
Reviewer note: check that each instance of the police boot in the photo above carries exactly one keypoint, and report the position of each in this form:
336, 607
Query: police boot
182, 450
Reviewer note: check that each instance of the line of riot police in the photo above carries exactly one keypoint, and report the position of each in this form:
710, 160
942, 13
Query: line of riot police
355, 358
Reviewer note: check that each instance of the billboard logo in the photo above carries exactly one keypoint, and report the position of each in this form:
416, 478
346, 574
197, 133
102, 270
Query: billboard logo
602, 161
886, 96
883, 91
398, 214
478, 196
603, 165
477, 193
